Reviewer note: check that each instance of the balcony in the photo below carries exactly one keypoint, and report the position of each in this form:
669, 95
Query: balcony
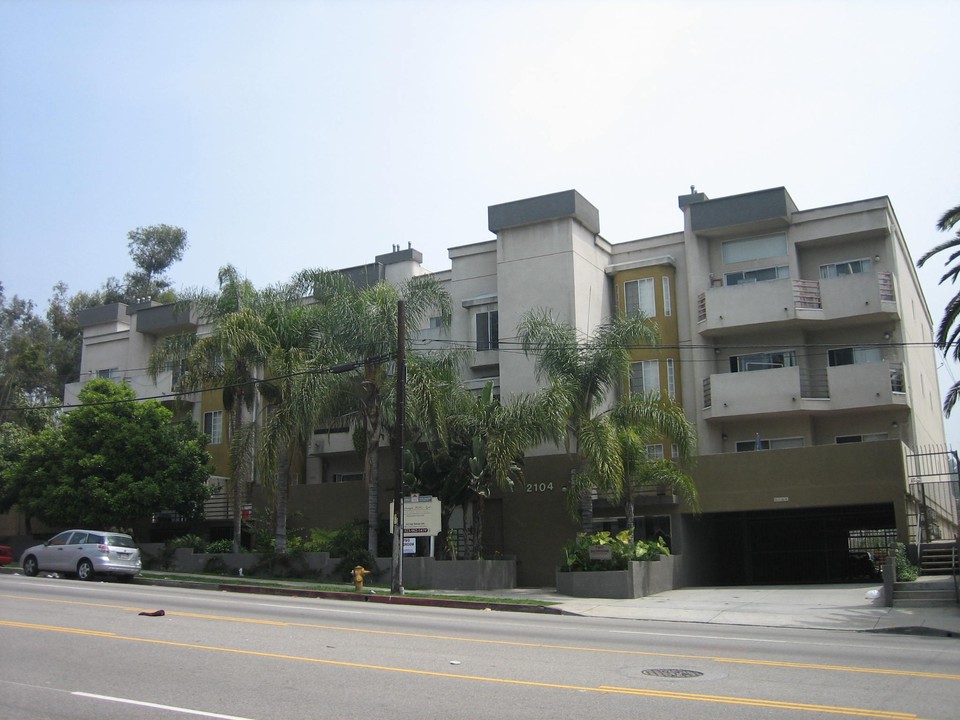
772, 304
163, 390
790, 390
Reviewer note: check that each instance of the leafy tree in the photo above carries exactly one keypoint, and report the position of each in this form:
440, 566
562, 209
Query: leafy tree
586, 373
228, 358
27, 375
361, 327
153, 250
948, 332
111, 462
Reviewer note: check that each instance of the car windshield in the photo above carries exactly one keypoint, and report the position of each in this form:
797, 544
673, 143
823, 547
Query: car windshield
121, 541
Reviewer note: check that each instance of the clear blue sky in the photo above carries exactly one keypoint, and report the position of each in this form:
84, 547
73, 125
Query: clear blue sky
284, 135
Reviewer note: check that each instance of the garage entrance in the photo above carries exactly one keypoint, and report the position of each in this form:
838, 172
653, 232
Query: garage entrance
811, 545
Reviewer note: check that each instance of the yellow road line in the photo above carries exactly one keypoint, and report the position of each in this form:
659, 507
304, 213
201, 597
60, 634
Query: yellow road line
602, 689
543, 646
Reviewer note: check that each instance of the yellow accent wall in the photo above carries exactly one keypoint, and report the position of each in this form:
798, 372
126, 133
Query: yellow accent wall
669, 348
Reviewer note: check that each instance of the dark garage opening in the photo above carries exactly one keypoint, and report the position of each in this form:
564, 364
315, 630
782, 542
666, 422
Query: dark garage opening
811, 545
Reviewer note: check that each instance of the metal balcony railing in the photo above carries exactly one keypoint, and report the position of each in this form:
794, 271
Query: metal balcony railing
886, 286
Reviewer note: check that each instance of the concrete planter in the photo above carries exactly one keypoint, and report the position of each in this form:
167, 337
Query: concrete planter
418, 572
428, 573
638, 580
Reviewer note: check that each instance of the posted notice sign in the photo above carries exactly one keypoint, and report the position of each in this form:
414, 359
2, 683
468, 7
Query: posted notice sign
421, 515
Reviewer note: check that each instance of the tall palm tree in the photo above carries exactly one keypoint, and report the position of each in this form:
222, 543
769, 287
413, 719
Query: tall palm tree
295, 388
586, 372
642, 421
948, 332
360, 325
225, 358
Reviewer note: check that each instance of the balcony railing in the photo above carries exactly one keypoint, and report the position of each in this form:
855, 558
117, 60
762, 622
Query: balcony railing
886, 287
761, 390
776, 301
806, 294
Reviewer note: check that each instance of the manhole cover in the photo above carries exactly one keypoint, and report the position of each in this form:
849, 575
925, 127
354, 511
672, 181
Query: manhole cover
672, 673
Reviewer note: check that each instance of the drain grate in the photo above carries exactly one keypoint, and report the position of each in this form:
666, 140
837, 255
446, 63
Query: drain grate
672, 673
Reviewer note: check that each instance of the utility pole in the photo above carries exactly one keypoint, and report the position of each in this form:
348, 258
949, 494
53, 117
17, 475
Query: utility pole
397, 585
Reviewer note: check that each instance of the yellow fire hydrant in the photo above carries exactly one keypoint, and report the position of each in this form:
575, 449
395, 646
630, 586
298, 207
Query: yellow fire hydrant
359, 573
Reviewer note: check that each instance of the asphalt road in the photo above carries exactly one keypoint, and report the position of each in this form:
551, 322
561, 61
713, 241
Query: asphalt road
83, 651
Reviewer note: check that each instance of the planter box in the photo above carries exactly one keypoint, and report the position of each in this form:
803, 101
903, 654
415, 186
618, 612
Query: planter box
427, 573
638, 580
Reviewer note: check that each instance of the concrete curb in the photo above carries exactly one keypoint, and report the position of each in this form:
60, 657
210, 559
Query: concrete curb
370, 597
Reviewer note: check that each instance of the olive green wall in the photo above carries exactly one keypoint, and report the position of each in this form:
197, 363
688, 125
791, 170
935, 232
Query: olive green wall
819, 476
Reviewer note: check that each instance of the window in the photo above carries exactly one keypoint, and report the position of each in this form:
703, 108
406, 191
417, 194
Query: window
108, 373
848, 267
654, 452
759, 275
763, 361
866, 437
671, 380
755, 248
640, 297
347, 477
667, 305
213, 426
645, 377
759, 443
436, 322
488, 331
854, 356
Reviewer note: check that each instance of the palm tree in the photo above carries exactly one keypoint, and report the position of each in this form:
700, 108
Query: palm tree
586, 372
641, 421
226, 358
295, 388
477, 446
948, 332
360, 326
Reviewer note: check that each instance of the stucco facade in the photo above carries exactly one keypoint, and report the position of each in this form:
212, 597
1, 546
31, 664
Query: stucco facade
798, 343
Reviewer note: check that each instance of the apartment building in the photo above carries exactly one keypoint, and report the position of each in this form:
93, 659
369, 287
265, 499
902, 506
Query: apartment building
797, 341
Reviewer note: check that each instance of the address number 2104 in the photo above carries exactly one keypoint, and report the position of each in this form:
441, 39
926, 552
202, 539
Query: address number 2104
539, 487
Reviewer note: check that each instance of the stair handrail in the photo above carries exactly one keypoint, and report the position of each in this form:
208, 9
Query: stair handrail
955, 570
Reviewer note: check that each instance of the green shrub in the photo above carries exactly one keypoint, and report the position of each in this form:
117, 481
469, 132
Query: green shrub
906, 571
194, 542
622, 550
220, 546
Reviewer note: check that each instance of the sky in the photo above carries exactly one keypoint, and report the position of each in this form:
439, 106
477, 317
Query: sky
285, 134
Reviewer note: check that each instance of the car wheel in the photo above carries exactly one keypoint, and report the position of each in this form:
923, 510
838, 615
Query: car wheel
30, 567
85, 570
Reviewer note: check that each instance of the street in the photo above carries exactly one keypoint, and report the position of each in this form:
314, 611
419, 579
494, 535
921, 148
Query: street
83, 651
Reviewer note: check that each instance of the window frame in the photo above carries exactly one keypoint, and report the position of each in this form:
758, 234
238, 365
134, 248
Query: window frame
864, 265
489, 322
649, 295
215, 432
781, 272
736, 364
643, 365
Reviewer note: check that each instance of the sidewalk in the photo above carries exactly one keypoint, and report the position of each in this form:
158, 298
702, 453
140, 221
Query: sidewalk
850, 607
855, 607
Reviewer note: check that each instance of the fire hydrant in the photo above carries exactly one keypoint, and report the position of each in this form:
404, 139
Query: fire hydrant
359, 573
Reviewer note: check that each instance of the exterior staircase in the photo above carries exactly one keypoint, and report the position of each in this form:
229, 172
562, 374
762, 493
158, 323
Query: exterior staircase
938, 558
937, 585
925, 592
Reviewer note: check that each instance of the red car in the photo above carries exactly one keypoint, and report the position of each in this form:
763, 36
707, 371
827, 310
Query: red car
6, 556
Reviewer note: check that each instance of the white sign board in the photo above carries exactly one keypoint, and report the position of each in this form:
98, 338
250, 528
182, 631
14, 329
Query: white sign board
421, 516
409, 546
